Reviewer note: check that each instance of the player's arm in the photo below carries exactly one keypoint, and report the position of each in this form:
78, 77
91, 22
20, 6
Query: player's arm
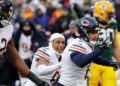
81, 59
16, 60
42, 64
116, 46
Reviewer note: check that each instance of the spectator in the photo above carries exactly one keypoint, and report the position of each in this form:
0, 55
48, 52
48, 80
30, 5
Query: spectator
58, 11
72, 32
27, 40
63, 21
27, 14
41, 18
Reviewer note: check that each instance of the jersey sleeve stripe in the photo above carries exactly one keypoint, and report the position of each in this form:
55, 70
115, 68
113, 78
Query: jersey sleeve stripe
73, 48
77, 50
43, 55
44, 52
80, 47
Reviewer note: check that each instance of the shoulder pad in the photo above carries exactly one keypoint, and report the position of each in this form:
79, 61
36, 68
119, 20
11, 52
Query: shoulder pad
78, 47
42, 53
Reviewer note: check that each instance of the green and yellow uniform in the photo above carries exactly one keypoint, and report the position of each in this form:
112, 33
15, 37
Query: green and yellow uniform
104, 73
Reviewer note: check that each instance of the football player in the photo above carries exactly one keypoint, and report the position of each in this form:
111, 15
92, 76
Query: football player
46, 59
103, 11
7, 45
80, 52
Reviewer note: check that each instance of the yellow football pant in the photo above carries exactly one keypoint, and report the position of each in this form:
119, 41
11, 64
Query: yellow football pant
106, 75
118, 38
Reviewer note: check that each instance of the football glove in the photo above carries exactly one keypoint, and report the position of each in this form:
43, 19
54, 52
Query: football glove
115, 65
104, 45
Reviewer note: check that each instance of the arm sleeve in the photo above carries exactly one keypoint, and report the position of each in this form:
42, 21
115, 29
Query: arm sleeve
35, 79
44, 70
82, 60
102, 61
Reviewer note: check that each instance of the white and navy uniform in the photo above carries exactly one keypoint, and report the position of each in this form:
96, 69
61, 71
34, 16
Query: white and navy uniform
71, 74
5, 36
50, 56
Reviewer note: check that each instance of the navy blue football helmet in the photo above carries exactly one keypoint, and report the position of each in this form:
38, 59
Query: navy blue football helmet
86, 25
6, 11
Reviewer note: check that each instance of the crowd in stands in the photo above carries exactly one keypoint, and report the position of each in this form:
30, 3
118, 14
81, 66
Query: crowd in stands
45, 17
50, 16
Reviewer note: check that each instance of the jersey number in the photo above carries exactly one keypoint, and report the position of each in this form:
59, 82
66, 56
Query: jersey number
103, 34
3, 43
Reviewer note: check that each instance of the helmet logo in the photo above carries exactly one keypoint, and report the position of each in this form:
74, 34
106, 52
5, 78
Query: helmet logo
85, 23
103, 6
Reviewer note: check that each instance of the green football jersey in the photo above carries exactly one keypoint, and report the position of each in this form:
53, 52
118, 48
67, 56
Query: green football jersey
105, 33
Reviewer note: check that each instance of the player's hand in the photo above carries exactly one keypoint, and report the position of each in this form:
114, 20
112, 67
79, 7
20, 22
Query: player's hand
115, 65
104, 45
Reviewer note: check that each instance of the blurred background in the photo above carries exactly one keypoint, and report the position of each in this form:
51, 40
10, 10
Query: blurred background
50, 16
41, 18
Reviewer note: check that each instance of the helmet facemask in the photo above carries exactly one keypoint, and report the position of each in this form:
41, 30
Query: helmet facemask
85, 26
103, 11
82, 34
6, 13
109, 16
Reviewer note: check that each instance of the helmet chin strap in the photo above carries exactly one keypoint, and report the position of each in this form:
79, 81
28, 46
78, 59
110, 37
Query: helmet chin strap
93, 42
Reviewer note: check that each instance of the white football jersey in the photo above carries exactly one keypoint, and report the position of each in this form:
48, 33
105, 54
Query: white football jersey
5, 36
71, 74
24, 47
50, 57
